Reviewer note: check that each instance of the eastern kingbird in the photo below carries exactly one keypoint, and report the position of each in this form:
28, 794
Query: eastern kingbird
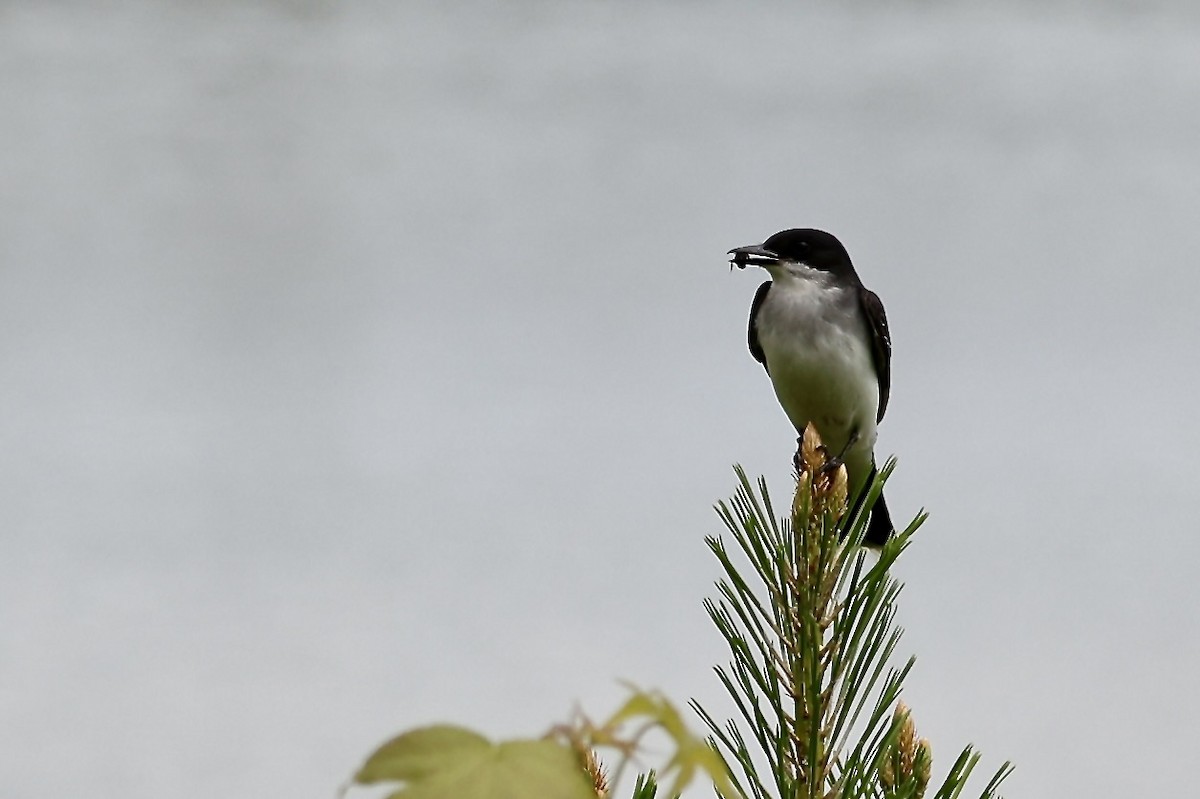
823, 338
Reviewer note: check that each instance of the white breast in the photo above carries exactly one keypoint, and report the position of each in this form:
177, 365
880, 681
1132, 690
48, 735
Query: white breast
816, 345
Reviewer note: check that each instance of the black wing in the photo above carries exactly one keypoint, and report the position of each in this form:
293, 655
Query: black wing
752, 334
881, 345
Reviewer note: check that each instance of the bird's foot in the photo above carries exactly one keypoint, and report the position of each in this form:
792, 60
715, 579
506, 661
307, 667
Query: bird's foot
832, 463
829, 461
854, 438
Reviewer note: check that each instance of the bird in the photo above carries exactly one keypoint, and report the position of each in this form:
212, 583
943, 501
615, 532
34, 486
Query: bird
822, 337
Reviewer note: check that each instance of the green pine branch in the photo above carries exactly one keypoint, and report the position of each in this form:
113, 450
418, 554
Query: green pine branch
809, 618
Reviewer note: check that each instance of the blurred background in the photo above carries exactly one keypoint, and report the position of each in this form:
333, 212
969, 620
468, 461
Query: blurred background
364, 365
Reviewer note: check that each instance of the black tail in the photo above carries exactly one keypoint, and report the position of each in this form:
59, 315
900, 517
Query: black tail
879, 528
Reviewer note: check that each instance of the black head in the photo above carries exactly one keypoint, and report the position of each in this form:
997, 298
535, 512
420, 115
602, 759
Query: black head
815, 249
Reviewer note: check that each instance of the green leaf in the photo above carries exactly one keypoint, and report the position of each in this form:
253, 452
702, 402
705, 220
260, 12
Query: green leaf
693, 755
447, 762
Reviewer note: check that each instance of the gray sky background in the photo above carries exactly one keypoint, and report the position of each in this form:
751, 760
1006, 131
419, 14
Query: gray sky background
363, 366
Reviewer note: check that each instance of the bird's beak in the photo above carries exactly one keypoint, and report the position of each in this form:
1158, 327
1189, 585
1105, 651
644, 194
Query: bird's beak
753, 255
